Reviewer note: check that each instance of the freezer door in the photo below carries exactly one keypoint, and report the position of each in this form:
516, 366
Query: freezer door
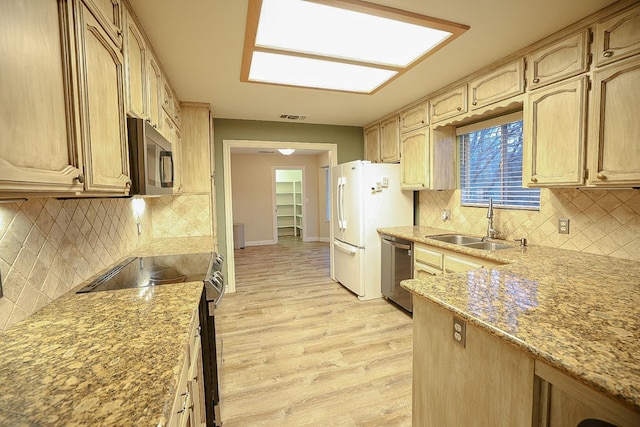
348, 267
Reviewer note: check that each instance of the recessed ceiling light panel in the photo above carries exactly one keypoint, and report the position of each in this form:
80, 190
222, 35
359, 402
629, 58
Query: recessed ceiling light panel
302, 26
315, 73
344, 45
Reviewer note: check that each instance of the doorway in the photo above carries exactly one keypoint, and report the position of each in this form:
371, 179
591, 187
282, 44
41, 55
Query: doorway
289, 203
226, 245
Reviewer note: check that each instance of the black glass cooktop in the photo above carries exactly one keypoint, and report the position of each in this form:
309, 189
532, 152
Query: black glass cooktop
139, 272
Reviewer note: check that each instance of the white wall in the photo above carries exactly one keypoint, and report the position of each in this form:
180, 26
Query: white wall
252, 193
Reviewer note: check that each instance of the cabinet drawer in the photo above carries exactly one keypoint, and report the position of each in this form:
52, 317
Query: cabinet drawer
458, 265
617, 37
423, 271
558, 61
427, 256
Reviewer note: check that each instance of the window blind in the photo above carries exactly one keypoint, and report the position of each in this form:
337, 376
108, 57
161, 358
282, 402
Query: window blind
491, 166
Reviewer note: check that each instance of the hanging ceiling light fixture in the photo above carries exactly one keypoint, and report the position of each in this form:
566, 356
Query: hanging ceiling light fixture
286, 151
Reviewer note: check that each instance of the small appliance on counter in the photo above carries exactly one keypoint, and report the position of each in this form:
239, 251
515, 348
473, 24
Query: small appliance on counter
365, 197
141, 272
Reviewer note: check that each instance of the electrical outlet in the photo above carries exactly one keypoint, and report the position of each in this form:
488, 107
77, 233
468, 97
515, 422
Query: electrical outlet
385, 182
460, 331
446, 214
563, 226
378, 186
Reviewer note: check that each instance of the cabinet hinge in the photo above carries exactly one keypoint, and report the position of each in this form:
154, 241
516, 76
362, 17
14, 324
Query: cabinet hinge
588, 83
586, 173
590, 36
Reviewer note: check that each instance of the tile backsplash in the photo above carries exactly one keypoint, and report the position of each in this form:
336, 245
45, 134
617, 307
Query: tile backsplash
605, 222
49, 246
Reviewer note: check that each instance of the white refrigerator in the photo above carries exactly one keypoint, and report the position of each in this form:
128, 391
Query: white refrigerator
364, 197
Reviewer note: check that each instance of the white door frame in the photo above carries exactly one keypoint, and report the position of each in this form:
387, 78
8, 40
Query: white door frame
227, 145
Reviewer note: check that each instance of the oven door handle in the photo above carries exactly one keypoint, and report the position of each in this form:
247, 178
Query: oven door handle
216, 279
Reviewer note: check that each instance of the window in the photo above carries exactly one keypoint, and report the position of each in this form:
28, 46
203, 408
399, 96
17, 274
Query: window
491, 165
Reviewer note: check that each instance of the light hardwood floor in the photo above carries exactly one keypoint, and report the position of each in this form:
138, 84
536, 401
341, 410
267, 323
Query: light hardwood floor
300, 350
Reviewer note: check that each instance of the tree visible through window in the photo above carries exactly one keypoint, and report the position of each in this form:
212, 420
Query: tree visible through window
491, 167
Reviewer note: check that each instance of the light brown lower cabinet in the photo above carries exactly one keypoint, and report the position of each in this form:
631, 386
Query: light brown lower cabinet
489, 383
486, 383
561, 401
188, 408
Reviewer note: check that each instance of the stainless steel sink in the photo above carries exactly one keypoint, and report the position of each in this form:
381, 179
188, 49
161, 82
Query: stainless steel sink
469, 242
487, 246
456, 239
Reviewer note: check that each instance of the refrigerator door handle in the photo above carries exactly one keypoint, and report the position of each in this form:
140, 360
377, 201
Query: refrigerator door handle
344, 219
344, 248
338, 206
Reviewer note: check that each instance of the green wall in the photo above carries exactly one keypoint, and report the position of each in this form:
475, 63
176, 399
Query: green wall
349, 140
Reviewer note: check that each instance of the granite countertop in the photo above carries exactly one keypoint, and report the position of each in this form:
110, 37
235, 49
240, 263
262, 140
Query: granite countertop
575, 311
103, 358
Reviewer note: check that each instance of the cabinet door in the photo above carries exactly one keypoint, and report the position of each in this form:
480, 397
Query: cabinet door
38, 145
561, 60
109, 14
135, 55
618, 37
414, 118
390, 140
154, 77
414, 162
449, 104
614, 128
103, 119
196, 149
555, 135
372, 143
486, 383
503, 83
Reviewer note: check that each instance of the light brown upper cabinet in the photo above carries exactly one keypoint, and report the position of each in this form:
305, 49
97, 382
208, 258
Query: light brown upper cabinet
196, 148
555, 134
428, 159
135, 55
38, 142
414, 117
372, 143
103, 121
414, 166
565, 58
109, 14
617, 37
502, 83
154, 80
614, 127
449, 104
390, 140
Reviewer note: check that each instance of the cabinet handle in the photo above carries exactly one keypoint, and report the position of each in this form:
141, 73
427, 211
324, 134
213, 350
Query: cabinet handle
148, 120
80, 178
536, 80
459, 108
474, 103
534, 179
128, 184
601, 176
607, 54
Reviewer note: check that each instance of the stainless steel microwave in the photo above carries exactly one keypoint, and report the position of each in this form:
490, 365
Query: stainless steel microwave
150, 158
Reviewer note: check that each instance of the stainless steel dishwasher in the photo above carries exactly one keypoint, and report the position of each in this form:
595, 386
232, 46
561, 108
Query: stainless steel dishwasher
396, 265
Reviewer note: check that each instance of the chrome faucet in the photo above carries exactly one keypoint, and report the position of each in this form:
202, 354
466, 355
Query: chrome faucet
491, 232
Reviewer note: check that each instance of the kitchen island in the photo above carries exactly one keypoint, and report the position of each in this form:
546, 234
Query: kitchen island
566, 314
103, 358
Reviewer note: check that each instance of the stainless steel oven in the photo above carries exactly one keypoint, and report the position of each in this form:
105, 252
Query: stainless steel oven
396, 265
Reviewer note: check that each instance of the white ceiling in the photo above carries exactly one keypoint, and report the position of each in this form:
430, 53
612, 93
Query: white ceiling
200, 43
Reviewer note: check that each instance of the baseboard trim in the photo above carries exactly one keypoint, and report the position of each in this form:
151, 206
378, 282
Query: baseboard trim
259, 243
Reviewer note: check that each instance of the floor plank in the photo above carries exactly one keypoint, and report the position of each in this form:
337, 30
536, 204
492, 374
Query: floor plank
301, 350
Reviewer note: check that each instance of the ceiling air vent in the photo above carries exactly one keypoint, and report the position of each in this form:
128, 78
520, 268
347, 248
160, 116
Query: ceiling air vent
292, 117
266, 152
